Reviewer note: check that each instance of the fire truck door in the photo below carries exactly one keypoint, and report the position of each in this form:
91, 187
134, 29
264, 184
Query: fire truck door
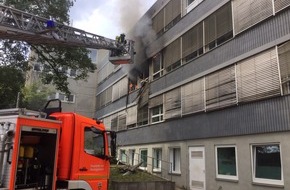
93, 165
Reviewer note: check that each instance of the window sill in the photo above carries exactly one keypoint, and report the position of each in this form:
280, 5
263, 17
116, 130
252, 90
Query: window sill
268, 185
227, 180
175, 174
157, 171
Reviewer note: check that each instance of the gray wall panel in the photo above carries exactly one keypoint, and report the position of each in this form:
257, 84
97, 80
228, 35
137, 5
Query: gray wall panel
258, 117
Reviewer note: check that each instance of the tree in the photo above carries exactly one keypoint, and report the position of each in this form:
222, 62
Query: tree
11, 82
35, 96
16, 53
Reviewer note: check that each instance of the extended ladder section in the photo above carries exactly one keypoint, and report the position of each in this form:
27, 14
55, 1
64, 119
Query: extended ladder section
22, 26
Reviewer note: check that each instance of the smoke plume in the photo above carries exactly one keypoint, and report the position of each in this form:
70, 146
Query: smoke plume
137, 27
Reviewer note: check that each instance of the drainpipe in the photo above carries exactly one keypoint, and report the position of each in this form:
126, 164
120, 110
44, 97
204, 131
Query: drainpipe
6, 136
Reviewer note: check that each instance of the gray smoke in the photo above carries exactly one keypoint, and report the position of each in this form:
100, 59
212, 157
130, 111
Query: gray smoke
139, 30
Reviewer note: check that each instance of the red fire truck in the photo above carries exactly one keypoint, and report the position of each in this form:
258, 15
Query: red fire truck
53, 150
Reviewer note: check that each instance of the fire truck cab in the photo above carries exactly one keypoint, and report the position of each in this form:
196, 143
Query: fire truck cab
64, 151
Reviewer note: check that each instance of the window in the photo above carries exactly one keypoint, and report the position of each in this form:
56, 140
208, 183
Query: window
266, 164
250, 12
143, 158
94, 142
114, 122
158, 23
172, 101
172, 56
192, 43
281, 4
104, 98
123, 156
258, 77
157, 114
142, 116
284, 64
64, 98
193, 97
131, 117
122, 121
191, 4
157, 66
157, 158
220, 88
218, 27
172, 13
226, 162
120, 89
132, 157
156, 109
174, 158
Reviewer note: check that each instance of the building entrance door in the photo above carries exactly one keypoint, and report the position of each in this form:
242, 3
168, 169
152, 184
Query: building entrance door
196, 168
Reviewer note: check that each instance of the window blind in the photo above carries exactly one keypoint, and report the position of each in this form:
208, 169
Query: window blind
281, 4
120, 89
142, 115
218, 24
172, 10
109, 95
172, 53
156, 101
250, 12
143, 95
172, 103
192, 40
122, 121
131, 115
193, 97
257, 77
158, 22
114, 122
284, 64
220, 88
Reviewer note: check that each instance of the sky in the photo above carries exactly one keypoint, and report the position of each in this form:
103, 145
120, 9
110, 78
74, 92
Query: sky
108, 18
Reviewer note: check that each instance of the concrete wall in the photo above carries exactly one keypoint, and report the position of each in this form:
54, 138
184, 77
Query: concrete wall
243, 144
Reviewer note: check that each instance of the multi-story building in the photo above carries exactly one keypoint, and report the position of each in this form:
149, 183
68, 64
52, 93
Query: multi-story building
214, 113
83, 92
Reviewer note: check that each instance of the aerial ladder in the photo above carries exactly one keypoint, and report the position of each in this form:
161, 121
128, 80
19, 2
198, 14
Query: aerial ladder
22, 26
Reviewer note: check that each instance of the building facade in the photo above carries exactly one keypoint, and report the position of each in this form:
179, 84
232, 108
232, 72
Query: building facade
83, 92
213, 111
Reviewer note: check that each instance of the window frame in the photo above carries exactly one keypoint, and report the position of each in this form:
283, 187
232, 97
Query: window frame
157, 162
253, 164
123, 155
87, 135
173, 160
159, 116
143, 167
192, 5
157, 59
222, 176
65, 99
